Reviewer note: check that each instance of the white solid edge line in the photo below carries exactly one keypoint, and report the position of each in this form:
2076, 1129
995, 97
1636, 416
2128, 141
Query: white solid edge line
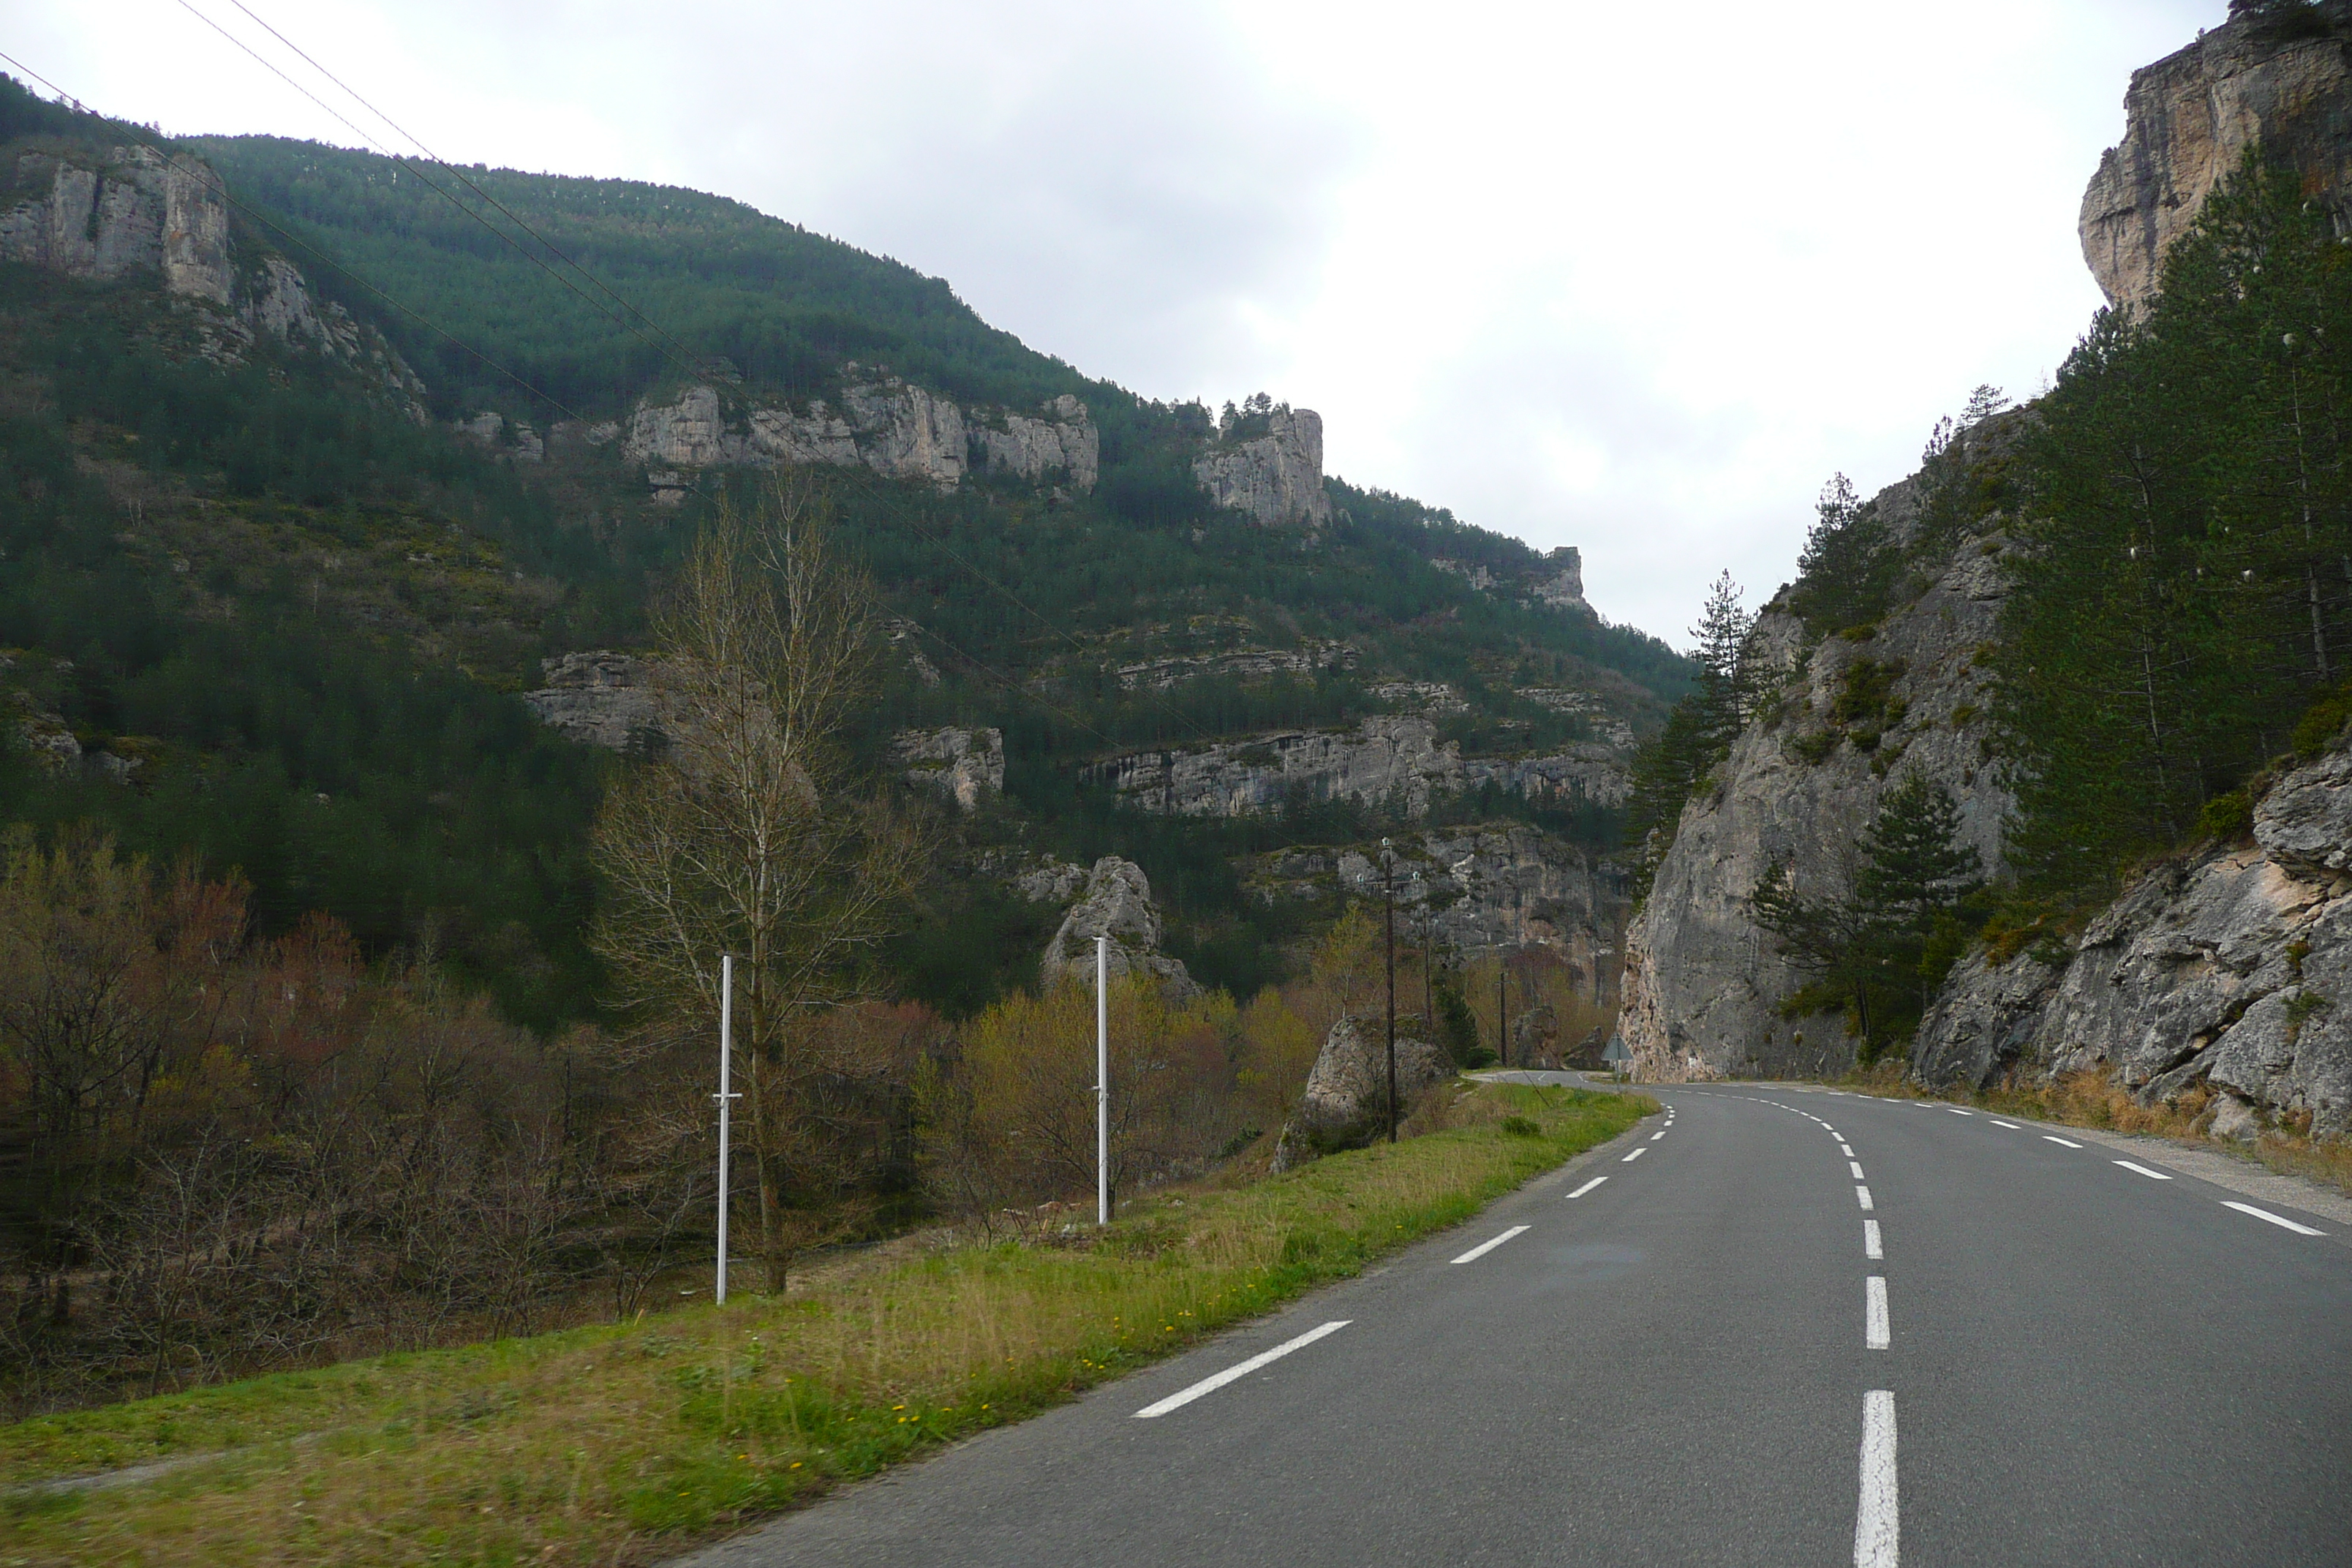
1873, 1303
2144, 1171
1872, 1243
1855, 1167
2048, 1138
1863, 1193
2276, 1219
1184, 1396
1485, 1248
1878, 1531
1588, 1187
1634, 1155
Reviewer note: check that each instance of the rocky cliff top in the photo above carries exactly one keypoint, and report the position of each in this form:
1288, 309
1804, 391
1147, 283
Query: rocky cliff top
2276, 76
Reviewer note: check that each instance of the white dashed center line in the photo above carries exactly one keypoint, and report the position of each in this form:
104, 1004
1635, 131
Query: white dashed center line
1876, 1529
1661, 1133
2276, 1219
2047, 1138
1844, 1150
1874, 1311
1864, 1195
2013, 1126
1957, 1111
1872, 1247
1239, 1370
1485, 1248
1634, 1155
1855, 1167
2144, 1171
1588, 1187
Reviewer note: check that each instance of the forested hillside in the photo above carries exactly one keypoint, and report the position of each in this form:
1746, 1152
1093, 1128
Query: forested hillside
310, 479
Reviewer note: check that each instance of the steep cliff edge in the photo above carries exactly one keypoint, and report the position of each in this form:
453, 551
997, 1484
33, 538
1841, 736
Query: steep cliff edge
2276, 75
2223, 980
1838, 720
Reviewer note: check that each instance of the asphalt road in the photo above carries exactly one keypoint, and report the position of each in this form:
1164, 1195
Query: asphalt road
1674, 1363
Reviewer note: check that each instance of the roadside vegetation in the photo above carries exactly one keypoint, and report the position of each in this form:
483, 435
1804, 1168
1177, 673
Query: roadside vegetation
624, 1443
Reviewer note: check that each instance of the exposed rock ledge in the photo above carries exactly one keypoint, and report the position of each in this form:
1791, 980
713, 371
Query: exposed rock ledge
2233, 970
1277, 478
884, 424
2190, 119
963, 765
1391, 760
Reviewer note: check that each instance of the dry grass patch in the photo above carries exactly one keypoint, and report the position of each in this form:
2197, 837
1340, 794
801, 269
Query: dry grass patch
624, 1444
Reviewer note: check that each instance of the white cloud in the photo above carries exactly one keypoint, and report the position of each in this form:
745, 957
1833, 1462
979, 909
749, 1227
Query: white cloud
1632, 278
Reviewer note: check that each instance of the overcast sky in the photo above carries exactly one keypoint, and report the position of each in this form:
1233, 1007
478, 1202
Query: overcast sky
1633, 278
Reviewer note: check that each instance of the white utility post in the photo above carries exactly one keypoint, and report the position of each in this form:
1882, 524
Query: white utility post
724, 1097
1102, 1081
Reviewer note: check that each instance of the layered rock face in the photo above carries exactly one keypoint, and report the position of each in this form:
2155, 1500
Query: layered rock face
1558, 584
599, 698
1063, 441
2230, 973
1500, 887
1278, 478
137, 212
1393, 760
963, 765
1117, 903
890, 425
1238, 664
1702, 982
2282, 83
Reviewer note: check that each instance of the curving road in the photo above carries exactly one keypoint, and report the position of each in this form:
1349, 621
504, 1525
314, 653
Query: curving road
1774, 1325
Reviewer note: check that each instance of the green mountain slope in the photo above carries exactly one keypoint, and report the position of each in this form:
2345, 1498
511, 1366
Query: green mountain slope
287, 581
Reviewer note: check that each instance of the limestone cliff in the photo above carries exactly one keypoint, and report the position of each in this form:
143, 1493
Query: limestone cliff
600, 698
1389, 760
1839, 722
2274, 75
2224, 979
1275, 477
885, 423
1498, 885
129, 211
964, 766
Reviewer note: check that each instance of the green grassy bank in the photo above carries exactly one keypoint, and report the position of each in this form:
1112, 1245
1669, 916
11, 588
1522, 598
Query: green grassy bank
628, 1443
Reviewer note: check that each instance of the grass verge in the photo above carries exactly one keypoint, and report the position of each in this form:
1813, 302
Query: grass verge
2094, 1099
624, 1444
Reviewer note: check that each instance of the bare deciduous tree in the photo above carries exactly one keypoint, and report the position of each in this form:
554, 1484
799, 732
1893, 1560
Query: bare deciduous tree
748, 834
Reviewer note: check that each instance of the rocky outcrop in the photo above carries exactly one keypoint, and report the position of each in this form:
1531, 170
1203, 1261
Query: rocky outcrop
1310, 658
890, 425
1845, 721
963, 765
600, 698
2281, 80
1393, 761
131, 211
1064, 441
1275, 477
1498, 886
1558, 584
1562, 586
2227, 977
1117, 903
1346, 1102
